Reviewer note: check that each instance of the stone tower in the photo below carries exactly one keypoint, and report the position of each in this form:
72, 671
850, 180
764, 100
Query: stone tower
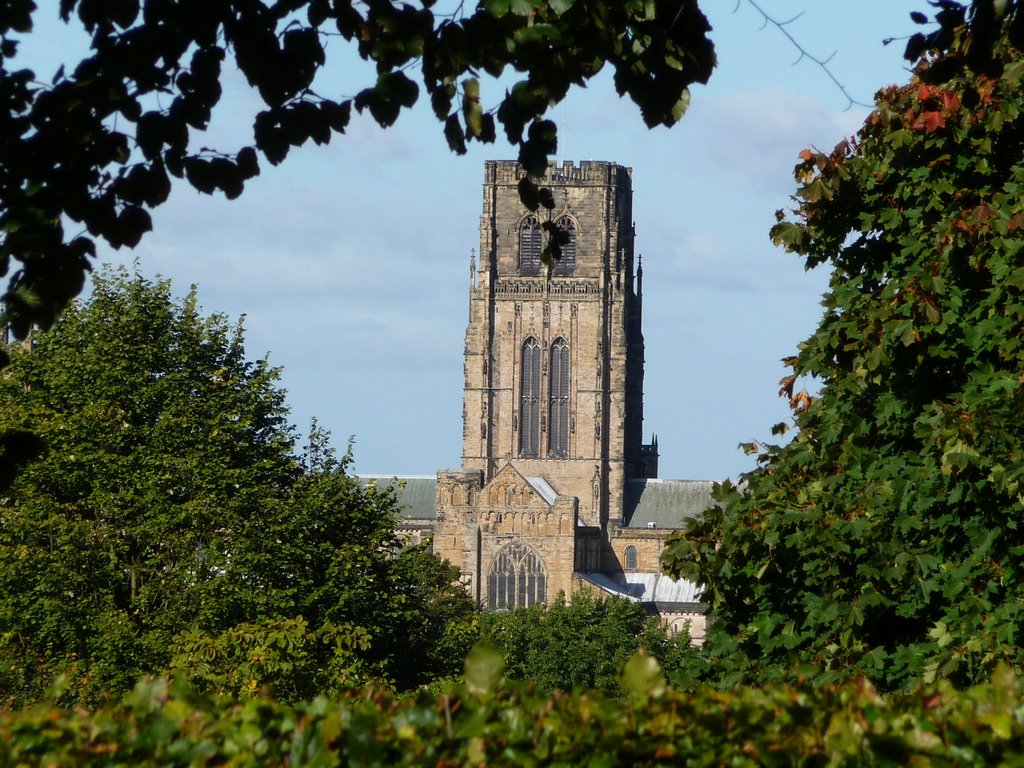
553, 393
554, 353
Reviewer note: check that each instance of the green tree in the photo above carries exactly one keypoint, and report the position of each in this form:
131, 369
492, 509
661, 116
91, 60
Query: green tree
160, 438
885, 539
583, 643
436, 623
332, 598
99, 142
170, 511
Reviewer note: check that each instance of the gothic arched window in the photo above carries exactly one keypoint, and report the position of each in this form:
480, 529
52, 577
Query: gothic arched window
516, 579
529, 402
558, 401
531, 243
566, 264
631, 558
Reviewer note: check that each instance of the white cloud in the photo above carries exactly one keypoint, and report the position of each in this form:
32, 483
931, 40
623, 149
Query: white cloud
756, 135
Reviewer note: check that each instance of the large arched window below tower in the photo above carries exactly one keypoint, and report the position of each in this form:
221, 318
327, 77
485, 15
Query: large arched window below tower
529, 401
558, 401
566, 264
516, 579
531, 243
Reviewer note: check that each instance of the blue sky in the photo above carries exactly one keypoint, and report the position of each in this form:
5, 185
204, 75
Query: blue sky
351, 261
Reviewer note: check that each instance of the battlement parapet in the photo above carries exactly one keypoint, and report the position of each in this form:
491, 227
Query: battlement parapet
588, 172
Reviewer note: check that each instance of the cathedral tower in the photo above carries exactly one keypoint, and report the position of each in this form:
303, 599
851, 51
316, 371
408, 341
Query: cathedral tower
553, 492
554, 353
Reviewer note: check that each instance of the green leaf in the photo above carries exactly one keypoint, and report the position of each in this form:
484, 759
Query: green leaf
485, 668
680, 107
642, 676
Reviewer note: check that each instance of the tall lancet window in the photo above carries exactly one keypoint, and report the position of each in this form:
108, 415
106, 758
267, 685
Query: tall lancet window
558, 401
516, 578
529, 403
531, 243
566, 265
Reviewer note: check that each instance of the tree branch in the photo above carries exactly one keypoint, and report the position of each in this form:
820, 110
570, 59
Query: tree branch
823, 64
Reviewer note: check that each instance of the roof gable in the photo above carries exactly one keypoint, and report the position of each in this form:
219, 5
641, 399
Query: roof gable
509, 488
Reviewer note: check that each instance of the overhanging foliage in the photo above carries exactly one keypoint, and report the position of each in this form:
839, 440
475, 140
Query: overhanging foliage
98, 142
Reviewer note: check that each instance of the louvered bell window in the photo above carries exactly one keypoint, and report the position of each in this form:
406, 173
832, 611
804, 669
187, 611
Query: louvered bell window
531, 243
566, 264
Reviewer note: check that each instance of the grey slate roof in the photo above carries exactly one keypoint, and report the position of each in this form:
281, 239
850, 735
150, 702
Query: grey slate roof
416, 498
666, 503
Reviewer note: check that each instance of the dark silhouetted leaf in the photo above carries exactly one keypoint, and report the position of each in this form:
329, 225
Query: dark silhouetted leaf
528, 193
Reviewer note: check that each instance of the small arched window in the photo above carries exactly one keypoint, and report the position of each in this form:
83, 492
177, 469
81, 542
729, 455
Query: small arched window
566, 263
531, 243
631, 558
558, 401
516, 579
529, 400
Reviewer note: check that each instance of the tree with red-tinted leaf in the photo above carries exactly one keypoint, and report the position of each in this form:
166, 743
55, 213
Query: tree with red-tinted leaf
886, 538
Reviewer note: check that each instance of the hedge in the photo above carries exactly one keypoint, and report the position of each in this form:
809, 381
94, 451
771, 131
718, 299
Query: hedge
503, 724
